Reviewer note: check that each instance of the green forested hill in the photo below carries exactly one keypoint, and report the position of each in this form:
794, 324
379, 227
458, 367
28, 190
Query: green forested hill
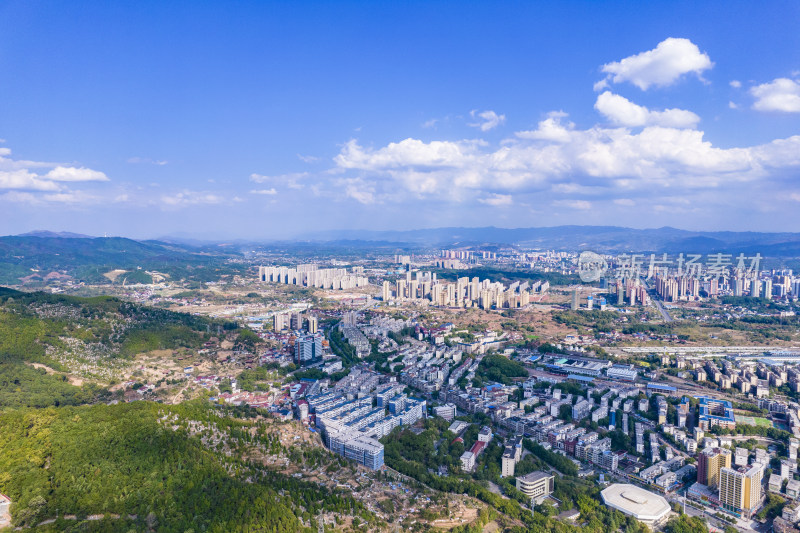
141, 466
89, 258
139, 459
30, 323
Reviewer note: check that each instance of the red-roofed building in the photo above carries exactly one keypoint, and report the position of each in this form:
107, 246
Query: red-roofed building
478, 447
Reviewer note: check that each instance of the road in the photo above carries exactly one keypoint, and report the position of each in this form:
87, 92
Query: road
655, 299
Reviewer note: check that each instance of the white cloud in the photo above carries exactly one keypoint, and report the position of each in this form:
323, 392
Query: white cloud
308, 158
622, 112
39, 186
406, 153
733, 105
497, 200
660, 67
430, 123
23, 179
625, 202
490, 119
268, 192
736, 84
75, 174
550, 129
781, 94
595, 162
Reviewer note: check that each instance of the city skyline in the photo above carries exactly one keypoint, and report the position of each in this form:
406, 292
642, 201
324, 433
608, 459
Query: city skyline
267, 120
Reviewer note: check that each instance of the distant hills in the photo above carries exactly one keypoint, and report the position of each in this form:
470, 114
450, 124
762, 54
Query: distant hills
55, 234
43, 255
35, 256
597, 238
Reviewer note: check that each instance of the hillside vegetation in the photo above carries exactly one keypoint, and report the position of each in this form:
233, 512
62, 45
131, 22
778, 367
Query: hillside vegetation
41, 328
149, 467
87, 259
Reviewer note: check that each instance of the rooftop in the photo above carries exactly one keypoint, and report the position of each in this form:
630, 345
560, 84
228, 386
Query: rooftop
534, 476
637, 502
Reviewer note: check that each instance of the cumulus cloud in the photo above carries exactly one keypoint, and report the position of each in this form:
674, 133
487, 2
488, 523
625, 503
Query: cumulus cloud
550, 129
736, 84
622, 112
660, 67
75, 174
589, 161
23, 179
781, 94
32, 182
267, 192
489, 119
406, 153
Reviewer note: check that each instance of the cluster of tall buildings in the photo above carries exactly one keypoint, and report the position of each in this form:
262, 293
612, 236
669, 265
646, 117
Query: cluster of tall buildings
294, 321
684, 287
313, 276
457, 259
674, 288
738, 486
632, 291
748, 377
780, 284
465, 292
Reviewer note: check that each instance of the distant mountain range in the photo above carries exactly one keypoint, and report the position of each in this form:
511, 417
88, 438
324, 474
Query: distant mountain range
54, 234
35, 255
84, 257
597, 238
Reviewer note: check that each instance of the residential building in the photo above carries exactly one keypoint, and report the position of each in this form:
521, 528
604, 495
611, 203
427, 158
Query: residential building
308, 349
581, 410
740, 489
507, 462
714, 412
709, 463
467, 461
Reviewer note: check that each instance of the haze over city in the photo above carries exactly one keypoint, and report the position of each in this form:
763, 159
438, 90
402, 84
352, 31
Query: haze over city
273, 120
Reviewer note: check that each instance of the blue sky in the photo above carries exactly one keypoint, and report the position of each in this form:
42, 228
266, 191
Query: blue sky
273, 119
